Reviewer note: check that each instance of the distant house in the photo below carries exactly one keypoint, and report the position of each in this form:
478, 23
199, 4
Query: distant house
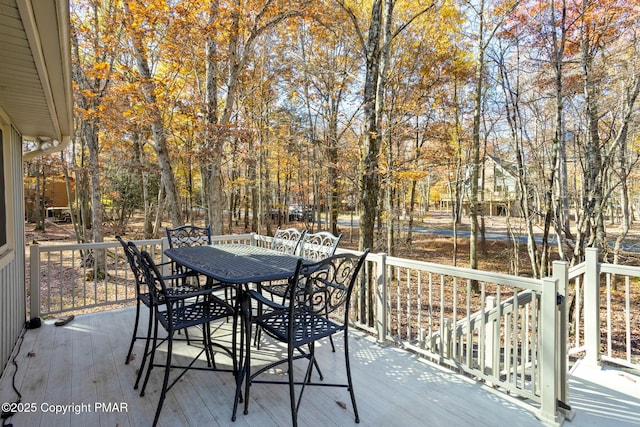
36, 105
55, 198
500, 194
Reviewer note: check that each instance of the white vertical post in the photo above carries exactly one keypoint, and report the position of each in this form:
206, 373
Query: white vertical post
381, 296
490, 358
592, 307
447, 350
548, 360
34, 281
561, 273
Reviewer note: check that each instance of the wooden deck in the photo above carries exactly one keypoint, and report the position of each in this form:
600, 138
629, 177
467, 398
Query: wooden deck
81, 366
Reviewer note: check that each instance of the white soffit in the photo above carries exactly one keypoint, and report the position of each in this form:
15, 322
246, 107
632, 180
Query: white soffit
35, 70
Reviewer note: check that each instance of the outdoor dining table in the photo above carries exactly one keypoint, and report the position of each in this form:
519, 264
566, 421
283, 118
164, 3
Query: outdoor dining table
240, 265
236, 264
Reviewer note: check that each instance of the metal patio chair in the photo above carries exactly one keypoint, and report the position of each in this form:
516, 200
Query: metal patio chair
316, 291
144, 298
192, 235
177, 312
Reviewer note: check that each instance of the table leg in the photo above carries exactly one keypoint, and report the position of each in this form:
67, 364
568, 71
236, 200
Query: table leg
245, 343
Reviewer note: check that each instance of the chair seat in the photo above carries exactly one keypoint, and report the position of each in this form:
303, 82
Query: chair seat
277, 289
309, 327
197, 313
145, 297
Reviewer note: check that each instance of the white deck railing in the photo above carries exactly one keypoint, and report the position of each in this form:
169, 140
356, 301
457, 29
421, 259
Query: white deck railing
596, 329
82, 277
506, 331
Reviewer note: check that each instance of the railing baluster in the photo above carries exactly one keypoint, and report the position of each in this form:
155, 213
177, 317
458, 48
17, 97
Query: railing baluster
442, 318
627, 311
408, 302
419, 308
609, 313
468, 325
430, 312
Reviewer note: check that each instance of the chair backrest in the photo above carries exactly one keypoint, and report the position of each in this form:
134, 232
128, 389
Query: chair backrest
318, 246
130, 250
157, 287
189, 235
287, 240
324, 287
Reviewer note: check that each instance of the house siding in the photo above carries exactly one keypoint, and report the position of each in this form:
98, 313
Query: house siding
12, 274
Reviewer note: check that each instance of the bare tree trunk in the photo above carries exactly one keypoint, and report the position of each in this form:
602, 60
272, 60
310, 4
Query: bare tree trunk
38, 206
514, 118
458, 178
213, 140
388, 199
370, 180
157, 225
624, 166
157, 125
97, 209
551, 207
253, 189
474, 176
143, 177
72, 203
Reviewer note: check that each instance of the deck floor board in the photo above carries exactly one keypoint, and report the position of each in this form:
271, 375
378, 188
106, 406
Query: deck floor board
83, 363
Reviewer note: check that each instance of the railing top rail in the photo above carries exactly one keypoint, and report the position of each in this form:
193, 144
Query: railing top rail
100, 245
625, 270
577, 270
468, 273
145, 242
222, 238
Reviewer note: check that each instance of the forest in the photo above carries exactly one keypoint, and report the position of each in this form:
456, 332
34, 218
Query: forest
243, 111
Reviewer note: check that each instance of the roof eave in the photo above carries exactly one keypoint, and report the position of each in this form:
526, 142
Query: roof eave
49, 38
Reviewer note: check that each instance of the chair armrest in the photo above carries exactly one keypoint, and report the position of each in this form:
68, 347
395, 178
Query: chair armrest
188, 293
171, 277
177, 267
266, 301
162, 264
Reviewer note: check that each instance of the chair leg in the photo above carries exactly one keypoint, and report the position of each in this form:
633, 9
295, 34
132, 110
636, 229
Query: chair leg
292, 390
135, 332
151, 360
165, 382
256, 340
239, 371
208, 346
234, 343
247, 367
146, 349
349, 381
333, 346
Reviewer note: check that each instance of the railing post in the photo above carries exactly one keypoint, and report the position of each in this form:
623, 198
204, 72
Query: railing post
561, 274
548, 360
381, 297
592, 307
253, 242
34, 280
